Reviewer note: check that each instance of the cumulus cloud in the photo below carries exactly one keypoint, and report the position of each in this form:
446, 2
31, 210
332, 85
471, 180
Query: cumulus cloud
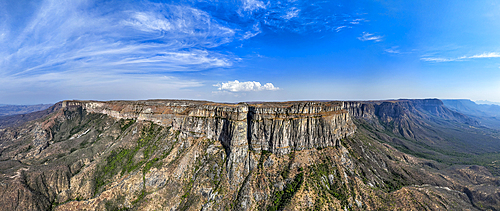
370, 37
462, 58
236, 86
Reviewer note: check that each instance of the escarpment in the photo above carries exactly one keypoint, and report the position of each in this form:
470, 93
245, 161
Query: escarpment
274, 127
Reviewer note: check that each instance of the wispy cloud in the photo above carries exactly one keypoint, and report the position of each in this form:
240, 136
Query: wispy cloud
486, 55
370, 37
393, 50
98, 85
357, 21
294, 16
293, 12
338, 29
462, 58
254, 32
236, 86
61, 34
56, 41
252, 5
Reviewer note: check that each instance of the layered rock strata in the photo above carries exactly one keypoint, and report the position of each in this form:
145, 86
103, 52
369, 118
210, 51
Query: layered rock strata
275, 127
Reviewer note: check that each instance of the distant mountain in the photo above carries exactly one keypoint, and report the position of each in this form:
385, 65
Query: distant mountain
487, 102
6, 110
487, 114
19, 119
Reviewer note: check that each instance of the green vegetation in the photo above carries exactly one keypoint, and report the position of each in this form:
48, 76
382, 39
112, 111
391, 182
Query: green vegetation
125, 124
286, 170
396, 182
124, 160
318, 204
139, 197
455, 143
188, 188
319, 177
149, 164
113, 205
282, 198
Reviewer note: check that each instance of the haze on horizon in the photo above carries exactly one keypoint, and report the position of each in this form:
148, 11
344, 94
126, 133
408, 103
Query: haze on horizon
249, 50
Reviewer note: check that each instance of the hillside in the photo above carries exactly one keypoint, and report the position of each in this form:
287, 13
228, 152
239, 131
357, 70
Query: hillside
487, 115
197, 155
6, 110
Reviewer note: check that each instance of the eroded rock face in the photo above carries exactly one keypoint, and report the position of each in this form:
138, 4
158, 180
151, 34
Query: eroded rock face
283, 127
275, 127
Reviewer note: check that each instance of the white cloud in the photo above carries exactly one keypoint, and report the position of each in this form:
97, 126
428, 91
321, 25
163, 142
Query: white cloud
252, 5
486, 55
151, 37
149, 22
296, 16
291, 13
96, 85
236, 86
393, 50
255, 31
370, 37
180, 22
338, 29
429, 59
356, 21
462, 58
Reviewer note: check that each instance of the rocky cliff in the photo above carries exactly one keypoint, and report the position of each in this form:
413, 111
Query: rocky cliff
275, 127
192, 155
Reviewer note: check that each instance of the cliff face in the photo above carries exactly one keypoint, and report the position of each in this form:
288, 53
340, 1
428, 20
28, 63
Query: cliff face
192, 155
274, 127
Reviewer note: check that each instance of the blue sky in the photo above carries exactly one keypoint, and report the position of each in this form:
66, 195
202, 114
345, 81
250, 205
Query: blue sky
250, 50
